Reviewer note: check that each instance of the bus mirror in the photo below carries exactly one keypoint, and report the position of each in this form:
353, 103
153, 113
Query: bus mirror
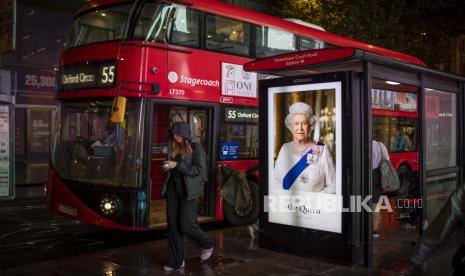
118, 109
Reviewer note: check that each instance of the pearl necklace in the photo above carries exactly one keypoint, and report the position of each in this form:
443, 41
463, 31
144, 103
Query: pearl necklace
300, 150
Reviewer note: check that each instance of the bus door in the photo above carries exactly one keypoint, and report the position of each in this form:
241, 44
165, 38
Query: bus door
199, 119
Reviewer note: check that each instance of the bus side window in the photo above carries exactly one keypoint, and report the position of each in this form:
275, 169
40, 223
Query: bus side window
310, 44
227, 36
239, 133
271, 42
185, 28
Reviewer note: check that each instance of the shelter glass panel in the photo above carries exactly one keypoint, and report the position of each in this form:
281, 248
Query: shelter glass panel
441, 129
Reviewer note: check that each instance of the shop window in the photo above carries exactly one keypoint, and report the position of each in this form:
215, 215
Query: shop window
462, 45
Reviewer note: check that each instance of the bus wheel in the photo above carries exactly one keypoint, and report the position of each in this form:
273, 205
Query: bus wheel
247, 215
405, 177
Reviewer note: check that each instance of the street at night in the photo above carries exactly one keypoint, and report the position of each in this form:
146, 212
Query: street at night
230, 137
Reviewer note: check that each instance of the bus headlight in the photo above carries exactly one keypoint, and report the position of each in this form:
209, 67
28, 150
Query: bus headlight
108, 205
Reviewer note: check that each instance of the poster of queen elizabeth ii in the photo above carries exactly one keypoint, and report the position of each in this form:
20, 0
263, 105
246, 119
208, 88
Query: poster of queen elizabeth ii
304, 164
304, 155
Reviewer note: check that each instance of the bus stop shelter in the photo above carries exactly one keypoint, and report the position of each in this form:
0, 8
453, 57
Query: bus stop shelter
345, 87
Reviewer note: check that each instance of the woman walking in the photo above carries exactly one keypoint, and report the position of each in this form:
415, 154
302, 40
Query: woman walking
185, 174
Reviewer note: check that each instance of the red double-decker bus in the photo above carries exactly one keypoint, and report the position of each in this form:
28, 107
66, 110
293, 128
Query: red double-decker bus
395, 124
172, 61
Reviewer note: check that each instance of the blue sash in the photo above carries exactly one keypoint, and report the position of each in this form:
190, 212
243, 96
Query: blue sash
296, 170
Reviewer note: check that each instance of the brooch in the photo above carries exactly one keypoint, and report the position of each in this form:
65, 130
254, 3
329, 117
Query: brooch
312, 158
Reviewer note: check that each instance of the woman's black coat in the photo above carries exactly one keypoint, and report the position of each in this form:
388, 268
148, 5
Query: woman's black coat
194, 171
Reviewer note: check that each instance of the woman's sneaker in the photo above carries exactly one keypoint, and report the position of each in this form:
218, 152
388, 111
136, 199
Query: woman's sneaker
251, 231
169, 268
206, 254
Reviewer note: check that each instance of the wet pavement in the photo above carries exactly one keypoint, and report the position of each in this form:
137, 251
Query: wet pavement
396, 244
45, 244
30, 233
236, 253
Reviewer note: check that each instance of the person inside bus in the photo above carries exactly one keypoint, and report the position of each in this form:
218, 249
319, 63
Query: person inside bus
116, 137
401, 142
112, 138
237, 35
185, 173
303, 164
379, 153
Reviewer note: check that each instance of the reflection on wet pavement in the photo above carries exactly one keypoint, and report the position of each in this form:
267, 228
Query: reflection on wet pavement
399, 235
30, 233
235, 253
216, 265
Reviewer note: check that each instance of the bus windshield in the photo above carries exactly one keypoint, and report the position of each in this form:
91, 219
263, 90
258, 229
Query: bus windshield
91, 149
165, 22
100, 25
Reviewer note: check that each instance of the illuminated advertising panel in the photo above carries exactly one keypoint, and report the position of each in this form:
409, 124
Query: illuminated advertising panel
237, 82
5, 163
393, 100
304, 149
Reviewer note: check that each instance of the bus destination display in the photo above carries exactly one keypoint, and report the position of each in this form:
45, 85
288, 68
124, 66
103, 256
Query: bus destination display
100, 74
241, 114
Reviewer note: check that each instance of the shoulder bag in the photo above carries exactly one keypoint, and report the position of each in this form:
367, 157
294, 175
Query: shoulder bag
389, 177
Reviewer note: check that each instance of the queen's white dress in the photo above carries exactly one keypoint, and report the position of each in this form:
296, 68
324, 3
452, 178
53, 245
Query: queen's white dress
319, 176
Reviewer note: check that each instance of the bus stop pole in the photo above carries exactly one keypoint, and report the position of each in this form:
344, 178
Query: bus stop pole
366, 136
422, 152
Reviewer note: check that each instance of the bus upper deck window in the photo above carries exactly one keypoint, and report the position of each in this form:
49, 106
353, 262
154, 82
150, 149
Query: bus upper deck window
185, 27
227, 35
271, 42
153, 21
310, 44
106, 24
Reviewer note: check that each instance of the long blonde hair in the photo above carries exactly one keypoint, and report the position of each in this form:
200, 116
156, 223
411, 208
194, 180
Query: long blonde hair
183, 149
